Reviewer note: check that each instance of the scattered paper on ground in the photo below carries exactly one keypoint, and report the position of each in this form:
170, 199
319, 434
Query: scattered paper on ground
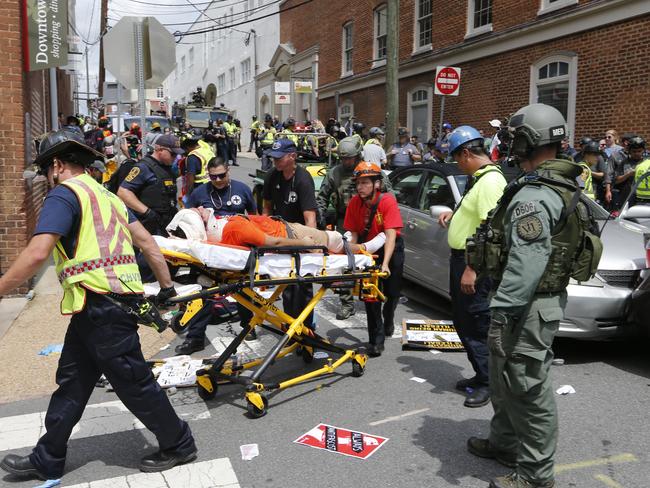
249, 451
565, 390
418, 380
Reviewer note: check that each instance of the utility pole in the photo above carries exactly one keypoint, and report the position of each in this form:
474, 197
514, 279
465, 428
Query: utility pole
392, 63
87, 84
102, 30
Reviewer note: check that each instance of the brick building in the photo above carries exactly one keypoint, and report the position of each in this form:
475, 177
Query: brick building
589, 58
24, 111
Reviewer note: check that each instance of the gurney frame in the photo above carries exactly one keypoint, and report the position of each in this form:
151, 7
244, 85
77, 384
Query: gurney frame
292, 331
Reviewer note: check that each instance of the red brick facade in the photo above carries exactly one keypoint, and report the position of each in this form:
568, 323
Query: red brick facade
24, 110
613, 63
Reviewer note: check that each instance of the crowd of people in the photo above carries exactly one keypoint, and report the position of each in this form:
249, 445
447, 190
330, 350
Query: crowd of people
506, 306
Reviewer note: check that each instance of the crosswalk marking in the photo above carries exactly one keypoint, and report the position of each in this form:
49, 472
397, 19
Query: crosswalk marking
217, 473
98, 419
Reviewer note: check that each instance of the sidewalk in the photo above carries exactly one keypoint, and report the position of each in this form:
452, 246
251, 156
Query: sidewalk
33, 325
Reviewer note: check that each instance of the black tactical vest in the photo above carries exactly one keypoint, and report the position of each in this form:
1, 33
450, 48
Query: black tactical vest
160, 195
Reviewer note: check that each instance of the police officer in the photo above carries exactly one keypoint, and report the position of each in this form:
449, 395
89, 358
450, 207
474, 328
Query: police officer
256, 127
621, 172
231, 138
642, 181
469, 296
96, 266
199, 153
150, 187
267, 138
403, 153
369, 213
337, 189
226, 197
530, 248
357, 132
289, 131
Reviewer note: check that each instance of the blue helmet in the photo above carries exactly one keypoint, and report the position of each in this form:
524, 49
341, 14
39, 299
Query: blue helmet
461, 136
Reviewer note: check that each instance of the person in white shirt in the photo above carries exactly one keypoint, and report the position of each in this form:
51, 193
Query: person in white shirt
373, 151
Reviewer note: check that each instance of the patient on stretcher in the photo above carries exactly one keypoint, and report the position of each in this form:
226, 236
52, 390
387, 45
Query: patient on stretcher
258, 230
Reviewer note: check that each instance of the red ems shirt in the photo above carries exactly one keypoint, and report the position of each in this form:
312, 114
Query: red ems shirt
387, 216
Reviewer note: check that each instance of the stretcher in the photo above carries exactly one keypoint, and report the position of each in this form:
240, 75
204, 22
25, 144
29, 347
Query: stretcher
256, 278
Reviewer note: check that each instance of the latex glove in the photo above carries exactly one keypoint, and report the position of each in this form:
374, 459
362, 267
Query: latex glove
375, 243
495, 339
165, 294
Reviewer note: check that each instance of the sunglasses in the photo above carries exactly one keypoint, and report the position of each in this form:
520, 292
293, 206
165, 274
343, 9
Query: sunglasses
220, 176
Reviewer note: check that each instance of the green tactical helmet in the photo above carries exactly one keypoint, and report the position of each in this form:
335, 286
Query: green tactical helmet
536, 125
350, 147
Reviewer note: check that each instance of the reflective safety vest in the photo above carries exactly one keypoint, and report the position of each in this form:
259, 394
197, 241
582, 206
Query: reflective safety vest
230, 129
205, 153
643, 190
291, 135
585, 181
269, 136
103, 259
373, 141
256, 126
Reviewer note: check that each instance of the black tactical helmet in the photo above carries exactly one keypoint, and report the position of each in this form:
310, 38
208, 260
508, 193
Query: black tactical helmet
358, 127
268, 118
636, 143
586, 140
289, 123
65, 142
591, 147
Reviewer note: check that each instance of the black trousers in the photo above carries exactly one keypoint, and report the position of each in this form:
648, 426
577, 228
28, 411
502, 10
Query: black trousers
471, 315
294, 300
102, 338
200, 322
381, 317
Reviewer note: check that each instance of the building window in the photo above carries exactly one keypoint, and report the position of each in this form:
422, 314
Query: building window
553, 82
346, 112
419, 113
160, 92
233, 80
191, 57
205, 49
479, 17
547, 6
246, 71
379, 53
183, 65
221, 84
347, 49
423, 23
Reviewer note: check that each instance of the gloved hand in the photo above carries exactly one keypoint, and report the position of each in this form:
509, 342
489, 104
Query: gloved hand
150, 218
165, 294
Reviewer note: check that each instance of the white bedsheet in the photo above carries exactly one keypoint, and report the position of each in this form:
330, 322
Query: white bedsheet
274, 265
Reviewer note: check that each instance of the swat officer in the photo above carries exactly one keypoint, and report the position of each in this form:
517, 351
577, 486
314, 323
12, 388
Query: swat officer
150, 187
96, 266
338, 188
530, 248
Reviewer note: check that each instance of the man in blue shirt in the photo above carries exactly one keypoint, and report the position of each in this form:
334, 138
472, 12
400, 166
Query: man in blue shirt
403, 153
226, 197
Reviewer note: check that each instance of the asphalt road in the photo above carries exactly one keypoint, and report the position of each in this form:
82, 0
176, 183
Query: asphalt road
603, 426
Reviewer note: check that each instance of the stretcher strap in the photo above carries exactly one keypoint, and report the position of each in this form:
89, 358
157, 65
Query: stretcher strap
352, 264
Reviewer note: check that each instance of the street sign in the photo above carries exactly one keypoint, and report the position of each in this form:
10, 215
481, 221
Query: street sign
302, 86
281, 99
159, 52
447, 81
45, 26
282, 87
342, 441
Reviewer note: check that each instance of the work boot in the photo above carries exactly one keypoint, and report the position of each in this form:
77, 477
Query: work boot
463, 384
375, 350
161, 461
483, 448
345, 312
21, 466
389, 330
479, 397
513, 480
190, 345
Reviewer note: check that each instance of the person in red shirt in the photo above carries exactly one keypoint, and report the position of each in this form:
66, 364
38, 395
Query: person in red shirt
369, 213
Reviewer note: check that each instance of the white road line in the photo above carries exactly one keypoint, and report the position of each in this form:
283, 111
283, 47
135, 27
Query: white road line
217, 473
98, 419
399, 417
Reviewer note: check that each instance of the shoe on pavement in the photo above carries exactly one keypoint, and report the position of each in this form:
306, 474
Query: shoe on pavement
389, 331
251, 336
478, 398
375, 350
235, 164
190, 346
465, 383
482, 448
21, 466
513, 480
345, 313
161, 461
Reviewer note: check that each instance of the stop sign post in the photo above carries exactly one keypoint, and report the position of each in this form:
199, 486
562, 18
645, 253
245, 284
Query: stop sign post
446, 83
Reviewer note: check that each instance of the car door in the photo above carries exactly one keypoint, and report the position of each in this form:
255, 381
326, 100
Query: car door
429, 248
406, 187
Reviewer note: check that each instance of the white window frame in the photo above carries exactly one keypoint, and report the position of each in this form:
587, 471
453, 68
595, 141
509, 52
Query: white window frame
182, 65
471, 31
221, 84
571, 77
546, 6
232, 77
346, 110
376, 60
191, 57
245, 68
417, 48
345, 49
409, 109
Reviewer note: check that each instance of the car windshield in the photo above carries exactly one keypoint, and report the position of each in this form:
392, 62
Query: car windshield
218, 116
197, 116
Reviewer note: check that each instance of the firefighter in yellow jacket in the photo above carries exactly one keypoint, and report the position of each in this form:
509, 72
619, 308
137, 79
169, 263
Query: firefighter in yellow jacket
91, 235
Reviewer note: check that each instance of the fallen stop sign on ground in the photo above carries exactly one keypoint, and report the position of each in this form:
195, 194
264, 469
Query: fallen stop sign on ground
447, 81
342, 441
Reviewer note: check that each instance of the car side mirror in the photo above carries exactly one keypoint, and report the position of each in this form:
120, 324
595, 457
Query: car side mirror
640, 211
437, 210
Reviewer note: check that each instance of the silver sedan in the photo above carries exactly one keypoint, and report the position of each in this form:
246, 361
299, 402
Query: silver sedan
598, 309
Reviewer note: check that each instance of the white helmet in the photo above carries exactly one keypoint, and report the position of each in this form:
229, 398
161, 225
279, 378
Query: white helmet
191, 223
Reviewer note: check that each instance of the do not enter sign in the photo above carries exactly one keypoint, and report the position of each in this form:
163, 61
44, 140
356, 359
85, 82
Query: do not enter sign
447, 81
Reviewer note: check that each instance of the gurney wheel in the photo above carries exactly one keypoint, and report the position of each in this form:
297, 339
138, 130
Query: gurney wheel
175, 323
357, 369
254, 411
205, 394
